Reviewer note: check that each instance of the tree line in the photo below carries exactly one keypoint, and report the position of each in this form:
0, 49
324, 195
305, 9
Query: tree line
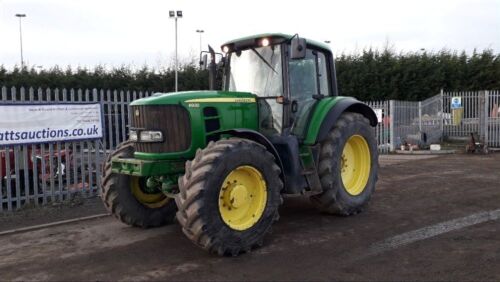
384, 75
118, 78
370, 75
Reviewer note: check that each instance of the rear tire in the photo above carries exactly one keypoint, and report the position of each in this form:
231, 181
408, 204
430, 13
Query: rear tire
229, 196
119, 199
348, 182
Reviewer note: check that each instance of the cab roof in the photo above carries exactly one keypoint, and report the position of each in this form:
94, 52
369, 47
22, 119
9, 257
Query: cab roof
314, 43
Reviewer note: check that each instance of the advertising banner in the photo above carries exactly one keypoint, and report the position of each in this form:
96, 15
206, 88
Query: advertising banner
42, 123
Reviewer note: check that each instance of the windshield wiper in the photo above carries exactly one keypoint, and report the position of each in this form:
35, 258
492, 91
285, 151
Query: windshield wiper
264, 60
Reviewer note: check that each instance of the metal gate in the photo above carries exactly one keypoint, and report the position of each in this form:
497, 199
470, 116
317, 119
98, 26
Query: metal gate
478, 113
382, 130
493, 118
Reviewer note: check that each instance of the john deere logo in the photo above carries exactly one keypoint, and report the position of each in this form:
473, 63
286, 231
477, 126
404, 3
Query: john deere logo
244, 100
222, 100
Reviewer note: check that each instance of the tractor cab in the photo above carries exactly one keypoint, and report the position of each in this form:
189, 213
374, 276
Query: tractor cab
288, 74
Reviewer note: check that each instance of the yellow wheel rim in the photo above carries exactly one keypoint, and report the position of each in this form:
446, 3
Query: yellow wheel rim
242, 198
153, 201
355, 165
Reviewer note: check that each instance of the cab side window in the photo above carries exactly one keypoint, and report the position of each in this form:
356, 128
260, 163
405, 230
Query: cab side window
324, 88
308, 77
302, 73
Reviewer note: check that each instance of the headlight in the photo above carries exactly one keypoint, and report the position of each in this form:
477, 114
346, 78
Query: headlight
132, 135
151, 136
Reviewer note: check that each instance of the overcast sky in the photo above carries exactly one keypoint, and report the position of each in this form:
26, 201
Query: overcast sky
116, 32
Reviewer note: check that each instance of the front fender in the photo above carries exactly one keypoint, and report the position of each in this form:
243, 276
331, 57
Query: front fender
327, 112
261, 139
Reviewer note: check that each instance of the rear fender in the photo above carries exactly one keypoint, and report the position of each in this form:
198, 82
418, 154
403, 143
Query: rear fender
327, 112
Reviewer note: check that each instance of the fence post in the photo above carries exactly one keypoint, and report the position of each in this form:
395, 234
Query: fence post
486, 118
482, 116
391, 125
420, 116
442, 115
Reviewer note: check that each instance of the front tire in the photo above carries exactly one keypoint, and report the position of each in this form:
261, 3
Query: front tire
124, 197
348, 166
229, 196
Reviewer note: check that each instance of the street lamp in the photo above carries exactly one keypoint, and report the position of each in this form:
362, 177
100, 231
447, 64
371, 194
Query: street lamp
200, 31
20, 16
175, 15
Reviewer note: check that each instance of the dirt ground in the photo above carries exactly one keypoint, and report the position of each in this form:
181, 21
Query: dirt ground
432, 218
29, 216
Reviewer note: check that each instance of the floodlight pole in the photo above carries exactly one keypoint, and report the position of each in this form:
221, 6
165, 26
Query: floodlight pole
200, 31
176, 59
20, 16
175, 15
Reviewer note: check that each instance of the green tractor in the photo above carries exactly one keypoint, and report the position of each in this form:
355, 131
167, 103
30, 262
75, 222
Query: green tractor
221, 161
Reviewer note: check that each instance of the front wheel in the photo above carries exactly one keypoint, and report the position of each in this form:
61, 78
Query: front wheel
128, 198
229, 196
348, 166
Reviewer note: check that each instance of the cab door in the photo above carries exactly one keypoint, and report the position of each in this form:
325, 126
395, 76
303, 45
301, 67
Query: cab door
308, 82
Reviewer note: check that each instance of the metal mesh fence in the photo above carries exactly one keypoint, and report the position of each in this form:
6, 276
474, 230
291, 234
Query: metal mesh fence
417, 123
431, 119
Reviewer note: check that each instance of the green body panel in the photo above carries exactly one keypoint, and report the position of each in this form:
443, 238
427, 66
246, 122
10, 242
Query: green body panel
314, 43
235, 110
321, 109
137, 167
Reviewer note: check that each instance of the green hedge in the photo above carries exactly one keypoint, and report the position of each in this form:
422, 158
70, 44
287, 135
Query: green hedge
122, 78
375, 75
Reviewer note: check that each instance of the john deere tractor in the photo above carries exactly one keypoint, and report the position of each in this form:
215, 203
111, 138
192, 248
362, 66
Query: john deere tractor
221, 161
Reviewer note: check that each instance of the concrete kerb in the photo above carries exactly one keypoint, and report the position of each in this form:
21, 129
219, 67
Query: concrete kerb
52, 224
426, 152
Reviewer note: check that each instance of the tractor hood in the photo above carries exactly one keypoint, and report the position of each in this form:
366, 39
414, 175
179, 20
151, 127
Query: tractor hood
211, 113
193, 97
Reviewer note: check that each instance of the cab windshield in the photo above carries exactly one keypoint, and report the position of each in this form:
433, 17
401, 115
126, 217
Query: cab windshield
256, 70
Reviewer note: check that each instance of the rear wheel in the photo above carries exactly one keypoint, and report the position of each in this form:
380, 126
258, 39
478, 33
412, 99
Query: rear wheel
128, 198
348, 166
229, 196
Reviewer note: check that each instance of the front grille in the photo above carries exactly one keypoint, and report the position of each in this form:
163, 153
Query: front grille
172, 120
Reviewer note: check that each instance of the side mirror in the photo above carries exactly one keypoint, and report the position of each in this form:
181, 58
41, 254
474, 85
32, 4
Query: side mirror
298, 48
204, 62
